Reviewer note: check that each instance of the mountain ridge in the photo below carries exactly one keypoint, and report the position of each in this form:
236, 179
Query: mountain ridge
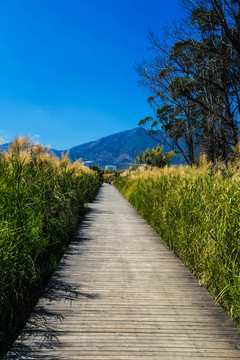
118, 149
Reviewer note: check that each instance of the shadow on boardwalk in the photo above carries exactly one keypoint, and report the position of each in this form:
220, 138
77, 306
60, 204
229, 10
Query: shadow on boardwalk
120, 294
37, 333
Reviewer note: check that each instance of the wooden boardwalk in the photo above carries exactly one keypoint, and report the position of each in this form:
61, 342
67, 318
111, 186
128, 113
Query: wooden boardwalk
121, 294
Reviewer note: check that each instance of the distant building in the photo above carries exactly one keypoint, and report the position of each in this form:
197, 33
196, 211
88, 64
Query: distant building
110, 167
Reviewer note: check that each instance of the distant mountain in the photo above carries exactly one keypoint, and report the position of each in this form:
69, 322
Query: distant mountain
118, 149
4, 147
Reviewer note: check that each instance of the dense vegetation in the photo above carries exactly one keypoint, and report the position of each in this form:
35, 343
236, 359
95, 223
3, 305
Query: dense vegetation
154, 157
42, 199
196, 212
193, 79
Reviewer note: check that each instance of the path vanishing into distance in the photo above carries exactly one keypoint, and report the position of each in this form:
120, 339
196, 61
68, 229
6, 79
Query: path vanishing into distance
120, 293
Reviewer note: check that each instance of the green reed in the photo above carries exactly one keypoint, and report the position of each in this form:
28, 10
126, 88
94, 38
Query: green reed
42, 200
196, 211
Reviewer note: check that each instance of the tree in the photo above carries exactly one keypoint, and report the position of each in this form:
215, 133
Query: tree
176, 118
153, 157
97, 169
194, 81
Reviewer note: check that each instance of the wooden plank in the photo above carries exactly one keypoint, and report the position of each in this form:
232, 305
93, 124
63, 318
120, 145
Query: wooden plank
120, 293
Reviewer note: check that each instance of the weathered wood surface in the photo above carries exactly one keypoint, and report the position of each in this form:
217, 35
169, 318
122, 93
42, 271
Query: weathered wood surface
120, 293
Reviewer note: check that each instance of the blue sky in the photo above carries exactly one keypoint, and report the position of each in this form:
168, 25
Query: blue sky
67, 67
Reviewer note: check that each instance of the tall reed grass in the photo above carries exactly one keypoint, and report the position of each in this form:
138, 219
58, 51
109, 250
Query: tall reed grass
196, 211
42, 200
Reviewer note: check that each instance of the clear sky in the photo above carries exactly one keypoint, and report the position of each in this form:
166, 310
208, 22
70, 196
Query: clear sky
67, 67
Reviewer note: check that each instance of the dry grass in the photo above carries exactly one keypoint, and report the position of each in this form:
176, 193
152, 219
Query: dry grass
42, 200
196, 212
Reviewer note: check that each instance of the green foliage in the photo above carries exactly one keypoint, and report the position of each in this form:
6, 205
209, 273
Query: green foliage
193, 79
42, 200
153, 157
196, 212
97, 169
